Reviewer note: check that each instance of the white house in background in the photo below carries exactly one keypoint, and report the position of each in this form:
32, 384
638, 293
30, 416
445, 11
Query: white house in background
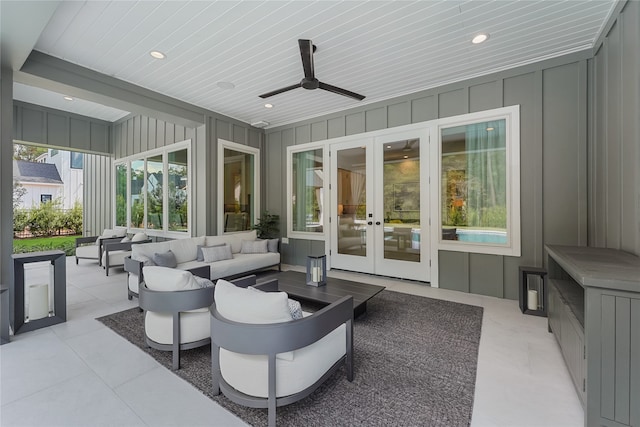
41, 180
70, 167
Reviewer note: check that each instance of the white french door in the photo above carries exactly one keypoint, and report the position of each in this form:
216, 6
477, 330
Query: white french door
380, 205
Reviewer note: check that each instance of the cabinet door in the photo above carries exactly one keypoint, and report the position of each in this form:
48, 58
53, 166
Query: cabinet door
554, 311
572, 344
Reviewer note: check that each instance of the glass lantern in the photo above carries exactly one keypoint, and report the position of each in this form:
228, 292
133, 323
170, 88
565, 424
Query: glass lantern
316, 270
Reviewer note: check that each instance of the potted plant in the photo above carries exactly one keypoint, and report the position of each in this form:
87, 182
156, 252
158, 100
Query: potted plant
268, 226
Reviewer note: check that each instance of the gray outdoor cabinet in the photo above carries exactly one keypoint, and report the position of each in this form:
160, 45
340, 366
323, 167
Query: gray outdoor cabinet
594, 313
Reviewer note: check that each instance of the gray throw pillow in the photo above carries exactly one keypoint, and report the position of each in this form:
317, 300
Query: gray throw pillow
165, 259
272, 245
200, 256
254, 247
295, 308
145, 260
203, 282
217, 253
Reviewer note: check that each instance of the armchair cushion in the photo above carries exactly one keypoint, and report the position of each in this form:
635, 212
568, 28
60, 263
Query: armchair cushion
165, 259
169, 279
125, 239
248, 306
138, 237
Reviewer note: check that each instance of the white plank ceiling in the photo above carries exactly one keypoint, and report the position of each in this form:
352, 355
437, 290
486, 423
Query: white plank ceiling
380, 49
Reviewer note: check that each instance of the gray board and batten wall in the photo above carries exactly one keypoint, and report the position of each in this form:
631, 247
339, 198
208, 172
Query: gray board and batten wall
579, 148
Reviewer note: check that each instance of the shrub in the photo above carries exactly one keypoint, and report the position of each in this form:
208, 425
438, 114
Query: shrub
44, 219
74, 218
20, 220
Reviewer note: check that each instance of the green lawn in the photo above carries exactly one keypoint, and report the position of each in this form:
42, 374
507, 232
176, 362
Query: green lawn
64, 243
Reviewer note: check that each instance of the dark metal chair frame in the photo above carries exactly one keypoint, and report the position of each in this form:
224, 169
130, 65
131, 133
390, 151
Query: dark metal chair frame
117, 246
175, 302
271, 339
84, 241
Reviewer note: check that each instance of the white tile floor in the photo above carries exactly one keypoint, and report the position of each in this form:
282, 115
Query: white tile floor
80, 373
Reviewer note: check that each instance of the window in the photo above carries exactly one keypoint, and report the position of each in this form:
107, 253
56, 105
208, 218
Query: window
45, 198
178, 184
238, 185
305, 189
479, 187
121, 195
77, 160
152, 190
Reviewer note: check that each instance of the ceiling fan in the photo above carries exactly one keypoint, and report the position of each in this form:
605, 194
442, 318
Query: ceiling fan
309, 81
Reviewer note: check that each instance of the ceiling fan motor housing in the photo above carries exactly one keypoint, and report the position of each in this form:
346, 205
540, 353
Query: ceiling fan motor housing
310, 83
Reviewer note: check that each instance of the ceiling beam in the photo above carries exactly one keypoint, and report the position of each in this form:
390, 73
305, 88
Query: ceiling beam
21, 23
60, 76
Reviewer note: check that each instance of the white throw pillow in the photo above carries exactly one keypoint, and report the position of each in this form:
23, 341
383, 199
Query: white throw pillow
169, 279
247, 306
139, 237
125, 239
216, 253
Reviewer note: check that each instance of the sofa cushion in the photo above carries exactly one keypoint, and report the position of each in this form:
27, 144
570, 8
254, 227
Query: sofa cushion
254, 247
216, 253
165, 259
186, 249
148, 249
233, 239
145, 260
169, 279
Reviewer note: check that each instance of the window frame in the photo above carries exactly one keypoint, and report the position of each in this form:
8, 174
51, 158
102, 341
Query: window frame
301, 148
164, 152
511, 115
222, 144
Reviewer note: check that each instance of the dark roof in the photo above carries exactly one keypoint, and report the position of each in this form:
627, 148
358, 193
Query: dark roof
45, 173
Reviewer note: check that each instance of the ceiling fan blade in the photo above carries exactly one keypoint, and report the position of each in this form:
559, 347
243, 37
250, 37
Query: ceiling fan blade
341, 91
277, 91
306, 52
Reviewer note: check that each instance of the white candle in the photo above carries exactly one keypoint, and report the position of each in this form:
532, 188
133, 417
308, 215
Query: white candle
38, 301
532, 300
315, 274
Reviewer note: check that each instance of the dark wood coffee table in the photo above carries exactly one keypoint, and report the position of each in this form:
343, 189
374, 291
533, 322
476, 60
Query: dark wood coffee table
293, 283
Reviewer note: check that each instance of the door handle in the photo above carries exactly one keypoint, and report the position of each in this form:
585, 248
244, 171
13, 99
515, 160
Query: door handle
370, 223
377, 222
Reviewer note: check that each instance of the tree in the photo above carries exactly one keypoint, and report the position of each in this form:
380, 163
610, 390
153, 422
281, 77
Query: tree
27, 152
18, 193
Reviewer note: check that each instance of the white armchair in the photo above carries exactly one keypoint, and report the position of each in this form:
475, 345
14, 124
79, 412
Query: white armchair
262, 358
114, 253
176, 310
91, 247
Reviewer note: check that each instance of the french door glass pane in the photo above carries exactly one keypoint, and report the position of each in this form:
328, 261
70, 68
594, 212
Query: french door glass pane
178, 190
121, 195
307, 191
402, 200
137, 196
239, 212
474, 183
154, 192
352, 201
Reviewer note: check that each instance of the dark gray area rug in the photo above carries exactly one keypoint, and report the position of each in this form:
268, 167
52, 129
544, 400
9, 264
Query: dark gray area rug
415, 365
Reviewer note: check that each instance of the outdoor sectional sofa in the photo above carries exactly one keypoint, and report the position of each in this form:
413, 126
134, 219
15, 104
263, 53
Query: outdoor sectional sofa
245, 254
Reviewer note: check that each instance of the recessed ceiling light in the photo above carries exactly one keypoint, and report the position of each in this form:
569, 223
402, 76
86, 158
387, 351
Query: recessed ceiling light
388, 146
480, 38
226, 85
68, 98
406, 157
489, 129
268, 105
157, 54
